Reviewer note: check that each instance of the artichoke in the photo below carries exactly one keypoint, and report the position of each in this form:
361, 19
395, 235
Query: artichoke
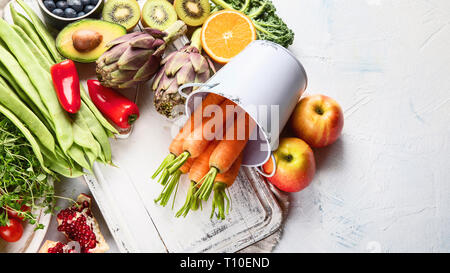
186, 65
135, 58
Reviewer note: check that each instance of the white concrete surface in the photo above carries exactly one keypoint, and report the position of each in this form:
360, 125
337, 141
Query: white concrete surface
385, 185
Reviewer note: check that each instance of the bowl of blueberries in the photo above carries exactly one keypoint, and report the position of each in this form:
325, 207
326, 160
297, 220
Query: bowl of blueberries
60, 13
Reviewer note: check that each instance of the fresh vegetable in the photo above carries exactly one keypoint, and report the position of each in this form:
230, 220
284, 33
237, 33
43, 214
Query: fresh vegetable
227, 152
25, 185
67, 85
186, 65
124, 12
226, 33
78, 224
295, 165
62, 143
198, 140
198, 170
176, 147
119, 109
86, 40
222, 182
192, 12
42, 31
135, 58
18, 214
318, 120
12, 231
158, 14
268, 24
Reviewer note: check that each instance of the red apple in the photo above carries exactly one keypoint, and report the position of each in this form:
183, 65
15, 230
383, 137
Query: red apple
318, 120
295, 165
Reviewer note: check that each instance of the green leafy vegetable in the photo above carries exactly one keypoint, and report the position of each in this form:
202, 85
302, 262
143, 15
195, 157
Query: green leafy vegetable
23, 180
268, 24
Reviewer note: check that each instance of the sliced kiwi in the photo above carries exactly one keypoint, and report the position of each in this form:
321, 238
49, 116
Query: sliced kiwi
124, 12
158, 14
193, 12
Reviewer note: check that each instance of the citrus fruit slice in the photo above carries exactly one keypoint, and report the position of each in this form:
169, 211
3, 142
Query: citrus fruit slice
226, 33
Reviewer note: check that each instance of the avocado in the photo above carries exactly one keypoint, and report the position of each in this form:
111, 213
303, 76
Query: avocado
85, 41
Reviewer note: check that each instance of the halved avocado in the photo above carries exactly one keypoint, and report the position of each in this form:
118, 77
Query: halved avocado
95, 34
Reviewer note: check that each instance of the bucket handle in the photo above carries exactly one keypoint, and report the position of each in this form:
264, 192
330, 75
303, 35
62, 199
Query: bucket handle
187, 85
261, 172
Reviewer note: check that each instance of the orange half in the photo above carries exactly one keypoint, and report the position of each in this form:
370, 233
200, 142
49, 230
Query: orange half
226, 33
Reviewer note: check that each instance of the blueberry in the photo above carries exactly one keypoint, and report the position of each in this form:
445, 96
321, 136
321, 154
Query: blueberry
75, 4
94, 2
85, 2
70, 13
50, 5
58, 12
81, 13
88, 8
61, 5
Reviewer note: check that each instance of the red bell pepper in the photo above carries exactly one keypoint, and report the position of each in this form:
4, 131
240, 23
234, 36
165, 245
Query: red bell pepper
67, 85
119, 109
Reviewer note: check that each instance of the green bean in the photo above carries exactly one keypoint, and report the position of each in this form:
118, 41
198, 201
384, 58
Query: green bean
42, 31
90, 155
60, 165
96, 112
42, 81
34, 145
22, 80
8, 78
97, 130
77, 154
45, 64
83, 136
34, 124
22, 22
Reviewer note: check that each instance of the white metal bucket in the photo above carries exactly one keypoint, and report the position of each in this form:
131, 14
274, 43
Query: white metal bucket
267, 81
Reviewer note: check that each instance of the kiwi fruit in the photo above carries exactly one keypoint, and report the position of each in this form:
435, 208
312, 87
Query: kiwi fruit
193, 12
158, 14
124, 12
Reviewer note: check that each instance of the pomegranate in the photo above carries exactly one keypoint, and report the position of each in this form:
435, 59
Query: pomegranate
56, 247
78, 224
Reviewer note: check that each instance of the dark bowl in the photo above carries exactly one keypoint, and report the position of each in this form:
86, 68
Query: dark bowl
60, 22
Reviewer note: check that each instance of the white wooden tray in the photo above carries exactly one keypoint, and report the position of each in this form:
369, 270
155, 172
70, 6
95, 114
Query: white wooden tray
126, 194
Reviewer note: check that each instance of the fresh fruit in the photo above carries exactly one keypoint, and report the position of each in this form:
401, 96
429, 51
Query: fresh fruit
295, 165
124, 12
93, 35
318, 120
226, 33
158, 14
186, 65
135, 58
12, 232
192, 12
69, 8
78, 224
67, 85
56, 247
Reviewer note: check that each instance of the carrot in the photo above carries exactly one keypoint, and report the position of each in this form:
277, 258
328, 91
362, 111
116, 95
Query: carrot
199, 168
197, 141
176, 147
227, 152
222, 182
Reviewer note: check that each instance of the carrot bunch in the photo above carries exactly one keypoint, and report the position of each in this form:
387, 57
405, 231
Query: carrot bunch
211, 153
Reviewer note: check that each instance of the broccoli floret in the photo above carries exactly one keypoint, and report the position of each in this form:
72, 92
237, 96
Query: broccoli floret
268, 24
